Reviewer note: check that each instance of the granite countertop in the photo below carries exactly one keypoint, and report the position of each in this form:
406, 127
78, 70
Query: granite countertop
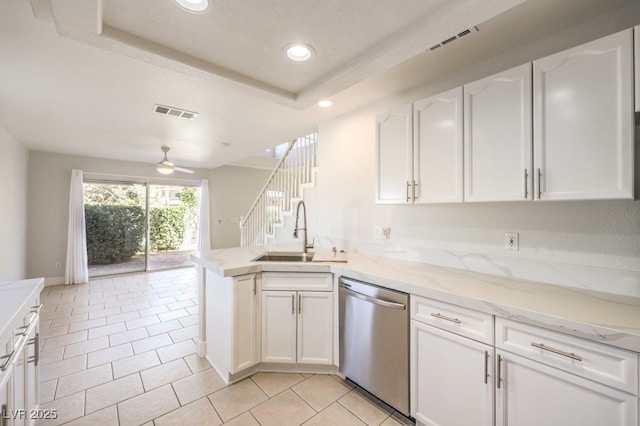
603, 317
16, 298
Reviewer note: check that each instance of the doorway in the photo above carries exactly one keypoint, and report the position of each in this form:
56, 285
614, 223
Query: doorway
139, 226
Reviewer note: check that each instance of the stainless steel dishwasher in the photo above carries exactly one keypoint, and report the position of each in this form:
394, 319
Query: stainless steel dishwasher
374, 340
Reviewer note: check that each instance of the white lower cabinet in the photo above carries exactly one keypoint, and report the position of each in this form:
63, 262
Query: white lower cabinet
245, 350
5, 403
452, 364
19, 378
544, 377
279, 326
315, 327
19, 389
233, 315
530, 376
297, 325
533, 394
452, 378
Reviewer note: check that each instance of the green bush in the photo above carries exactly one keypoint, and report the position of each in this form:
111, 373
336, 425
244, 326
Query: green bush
167, 227
114, 233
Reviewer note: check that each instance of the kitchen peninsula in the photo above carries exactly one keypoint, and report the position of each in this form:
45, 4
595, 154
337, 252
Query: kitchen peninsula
599, 332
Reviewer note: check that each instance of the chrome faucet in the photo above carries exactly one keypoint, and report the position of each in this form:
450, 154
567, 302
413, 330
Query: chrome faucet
304, 217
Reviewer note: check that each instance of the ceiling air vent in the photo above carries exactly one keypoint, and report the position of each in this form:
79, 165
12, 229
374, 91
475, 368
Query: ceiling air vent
176, 112
454, 38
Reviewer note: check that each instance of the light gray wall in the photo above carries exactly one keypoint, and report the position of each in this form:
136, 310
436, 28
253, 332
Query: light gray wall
231, 192
13, 213
342, 208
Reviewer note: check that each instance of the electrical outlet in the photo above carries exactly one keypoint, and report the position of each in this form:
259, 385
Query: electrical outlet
58, 265
511, 241
386, 232
382, 233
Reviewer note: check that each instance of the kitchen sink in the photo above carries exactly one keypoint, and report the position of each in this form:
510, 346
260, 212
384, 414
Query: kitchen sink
283, 256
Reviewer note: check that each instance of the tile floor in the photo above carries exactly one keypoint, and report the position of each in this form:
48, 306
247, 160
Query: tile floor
121, 351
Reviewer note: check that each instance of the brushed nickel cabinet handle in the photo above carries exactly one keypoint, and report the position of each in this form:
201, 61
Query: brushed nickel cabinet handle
416, 192
486, 367
3, 415
454, 320
526, 184
539, 184
499, 375
293, 304
408, 185
36, 353
299, 303
36, 349
7, 360
556, 351
36, 309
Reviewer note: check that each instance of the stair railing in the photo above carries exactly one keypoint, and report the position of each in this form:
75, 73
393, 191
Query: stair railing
284, 185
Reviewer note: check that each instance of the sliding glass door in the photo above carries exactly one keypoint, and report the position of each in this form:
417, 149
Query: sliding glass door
135, 227
116, 222
173, 225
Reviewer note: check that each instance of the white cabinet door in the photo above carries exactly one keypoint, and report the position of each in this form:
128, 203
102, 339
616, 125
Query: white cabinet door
279, 326
437, 149
6, 384
497, 136
532, 394
583, 118
452, 378
315, 327
32, 376
19, 387
393, 156
245, 330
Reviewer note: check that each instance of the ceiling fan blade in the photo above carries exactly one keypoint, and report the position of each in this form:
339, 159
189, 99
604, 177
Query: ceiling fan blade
183, 170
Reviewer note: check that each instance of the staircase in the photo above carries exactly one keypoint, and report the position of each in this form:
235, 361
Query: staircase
278, 198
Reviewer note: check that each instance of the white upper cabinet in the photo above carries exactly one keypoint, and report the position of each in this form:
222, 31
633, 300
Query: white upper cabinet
583, 121
393, 160
437, 135
497, 136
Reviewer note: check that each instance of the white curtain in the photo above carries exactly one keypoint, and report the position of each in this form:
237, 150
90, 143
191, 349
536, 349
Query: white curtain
204, 236
77, 270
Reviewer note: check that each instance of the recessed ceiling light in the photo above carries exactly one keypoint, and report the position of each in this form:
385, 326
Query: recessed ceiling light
194, 5
298, 52
325, 103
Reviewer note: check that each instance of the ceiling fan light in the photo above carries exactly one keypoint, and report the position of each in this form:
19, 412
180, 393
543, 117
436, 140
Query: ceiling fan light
164, 169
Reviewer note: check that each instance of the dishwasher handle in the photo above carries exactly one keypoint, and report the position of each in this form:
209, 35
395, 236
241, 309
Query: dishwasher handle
373, 300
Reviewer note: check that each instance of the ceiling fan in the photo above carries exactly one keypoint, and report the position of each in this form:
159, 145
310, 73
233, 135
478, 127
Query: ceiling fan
166, 167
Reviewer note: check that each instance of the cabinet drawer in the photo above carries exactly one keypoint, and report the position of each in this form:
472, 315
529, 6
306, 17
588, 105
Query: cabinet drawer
306, 281
465, 322
601, 363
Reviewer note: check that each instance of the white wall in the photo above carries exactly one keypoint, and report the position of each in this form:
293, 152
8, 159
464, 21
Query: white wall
13, 213
342, 212
231, 192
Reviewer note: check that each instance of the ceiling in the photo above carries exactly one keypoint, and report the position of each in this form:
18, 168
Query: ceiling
82, 76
